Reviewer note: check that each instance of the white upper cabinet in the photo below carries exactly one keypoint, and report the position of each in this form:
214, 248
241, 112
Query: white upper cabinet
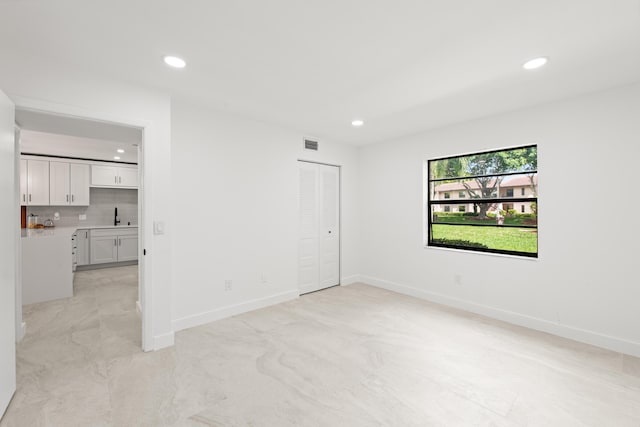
79, 184
68, 184
128, 177
114, 176
23, 182
37, 193
59, 184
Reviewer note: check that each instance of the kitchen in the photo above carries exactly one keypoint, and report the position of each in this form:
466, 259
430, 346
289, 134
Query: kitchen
79, 208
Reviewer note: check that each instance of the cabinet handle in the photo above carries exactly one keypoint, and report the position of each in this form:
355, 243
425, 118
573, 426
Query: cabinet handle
29, 197
72, 198
67, 198
119, 180
24, 197
86, 234
115, 242
119, 242
116, 179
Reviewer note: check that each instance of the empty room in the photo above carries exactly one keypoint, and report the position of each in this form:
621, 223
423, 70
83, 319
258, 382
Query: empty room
319, 213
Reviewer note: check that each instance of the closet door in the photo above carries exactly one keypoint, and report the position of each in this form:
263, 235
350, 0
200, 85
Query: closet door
319, 227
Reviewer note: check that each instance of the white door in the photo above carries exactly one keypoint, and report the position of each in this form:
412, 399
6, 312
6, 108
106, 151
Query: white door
319, 227
103, 249
128, 177
104, 175
8, 209
79, 184
38, 182
59, 193
128, 248
82, 247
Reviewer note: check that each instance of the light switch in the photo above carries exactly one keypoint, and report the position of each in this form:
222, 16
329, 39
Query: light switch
158, 227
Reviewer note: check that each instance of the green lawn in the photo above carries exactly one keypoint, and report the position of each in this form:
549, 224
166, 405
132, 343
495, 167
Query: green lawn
507, 238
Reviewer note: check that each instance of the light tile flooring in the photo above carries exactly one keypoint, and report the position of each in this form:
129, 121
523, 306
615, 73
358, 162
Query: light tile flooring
347, 356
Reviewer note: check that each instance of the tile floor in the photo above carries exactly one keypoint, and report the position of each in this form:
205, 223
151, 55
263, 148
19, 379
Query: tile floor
347, 356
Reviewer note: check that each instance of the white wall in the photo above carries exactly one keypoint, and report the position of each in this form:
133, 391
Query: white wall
585, 283
35, 82
235, 189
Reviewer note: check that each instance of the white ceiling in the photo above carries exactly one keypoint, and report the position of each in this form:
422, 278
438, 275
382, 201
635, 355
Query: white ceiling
34, 142
56, 135
314, 65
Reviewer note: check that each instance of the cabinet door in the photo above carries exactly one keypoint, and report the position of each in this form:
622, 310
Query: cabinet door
23, 182
127, 248
59, 193
128, 177
104, 175
82, 247
103, 249
37, 182
79, 184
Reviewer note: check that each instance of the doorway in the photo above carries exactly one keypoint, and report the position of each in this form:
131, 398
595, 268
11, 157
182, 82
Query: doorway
319, 226
124, 143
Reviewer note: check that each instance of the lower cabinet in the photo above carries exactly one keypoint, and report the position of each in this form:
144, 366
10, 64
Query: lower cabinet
113, 245
82, 247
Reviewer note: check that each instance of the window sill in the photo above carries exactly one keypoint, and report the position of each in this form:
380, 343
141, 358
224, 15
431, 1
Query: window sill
520, 257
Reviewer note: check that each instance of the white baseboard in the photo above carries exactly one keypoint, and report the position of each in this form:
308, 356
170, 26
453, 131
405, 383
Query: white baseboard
349, 280
232, 310
566, 331
163, 341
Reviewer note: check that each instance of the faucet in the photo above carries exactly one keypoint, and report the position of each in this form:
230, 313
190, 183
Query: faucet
116, 221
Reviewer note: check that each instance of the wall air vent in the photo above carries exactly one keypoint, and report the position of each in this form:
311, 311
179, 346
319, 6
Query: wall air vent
310, 144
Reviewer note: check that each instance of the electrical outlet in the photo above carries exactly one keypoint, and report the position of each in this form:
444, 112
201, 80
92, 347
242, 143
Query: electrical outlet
457, 279
228, 285
82, 217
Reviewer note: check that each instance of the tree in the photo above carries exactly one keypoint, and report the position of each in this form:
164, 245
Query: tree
483, 167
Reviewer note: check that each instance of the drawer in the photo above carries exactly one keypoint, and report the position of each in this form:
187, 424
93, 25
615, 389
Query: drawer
104, 232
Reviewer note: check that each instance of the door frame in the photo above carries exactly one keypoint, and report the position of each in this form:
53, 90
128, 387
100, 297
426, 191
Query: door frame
145, 283
339, 216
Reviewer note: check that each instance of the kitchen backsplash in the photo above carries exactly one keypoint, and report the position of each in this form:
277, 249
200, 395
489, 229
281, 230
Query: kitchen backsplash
99, 212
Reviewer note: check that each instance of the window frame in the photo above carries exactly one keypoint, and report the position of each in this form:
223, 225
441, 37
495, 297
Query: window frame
494, 200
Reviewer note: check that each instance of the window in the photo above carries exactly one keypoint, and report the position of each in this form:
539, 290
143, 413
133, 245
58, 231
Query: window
447, 195
488, 180
461, 195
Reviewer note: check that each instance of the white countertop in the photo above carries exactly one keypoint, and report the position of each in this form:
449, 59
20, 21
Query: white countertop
64, 231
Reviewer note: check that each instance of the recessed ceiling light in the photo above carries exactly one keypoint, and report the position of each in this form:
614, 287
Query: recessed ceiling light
357, 123
535, 63
116, 157
174, 61
120, 150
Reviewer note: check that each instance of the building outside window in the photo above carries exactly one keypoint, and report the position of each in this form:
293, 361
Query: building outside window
488, 181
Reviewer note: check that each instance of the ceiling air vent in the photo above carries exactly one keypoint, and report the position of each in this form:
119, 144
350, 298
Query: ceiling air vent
310, 145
